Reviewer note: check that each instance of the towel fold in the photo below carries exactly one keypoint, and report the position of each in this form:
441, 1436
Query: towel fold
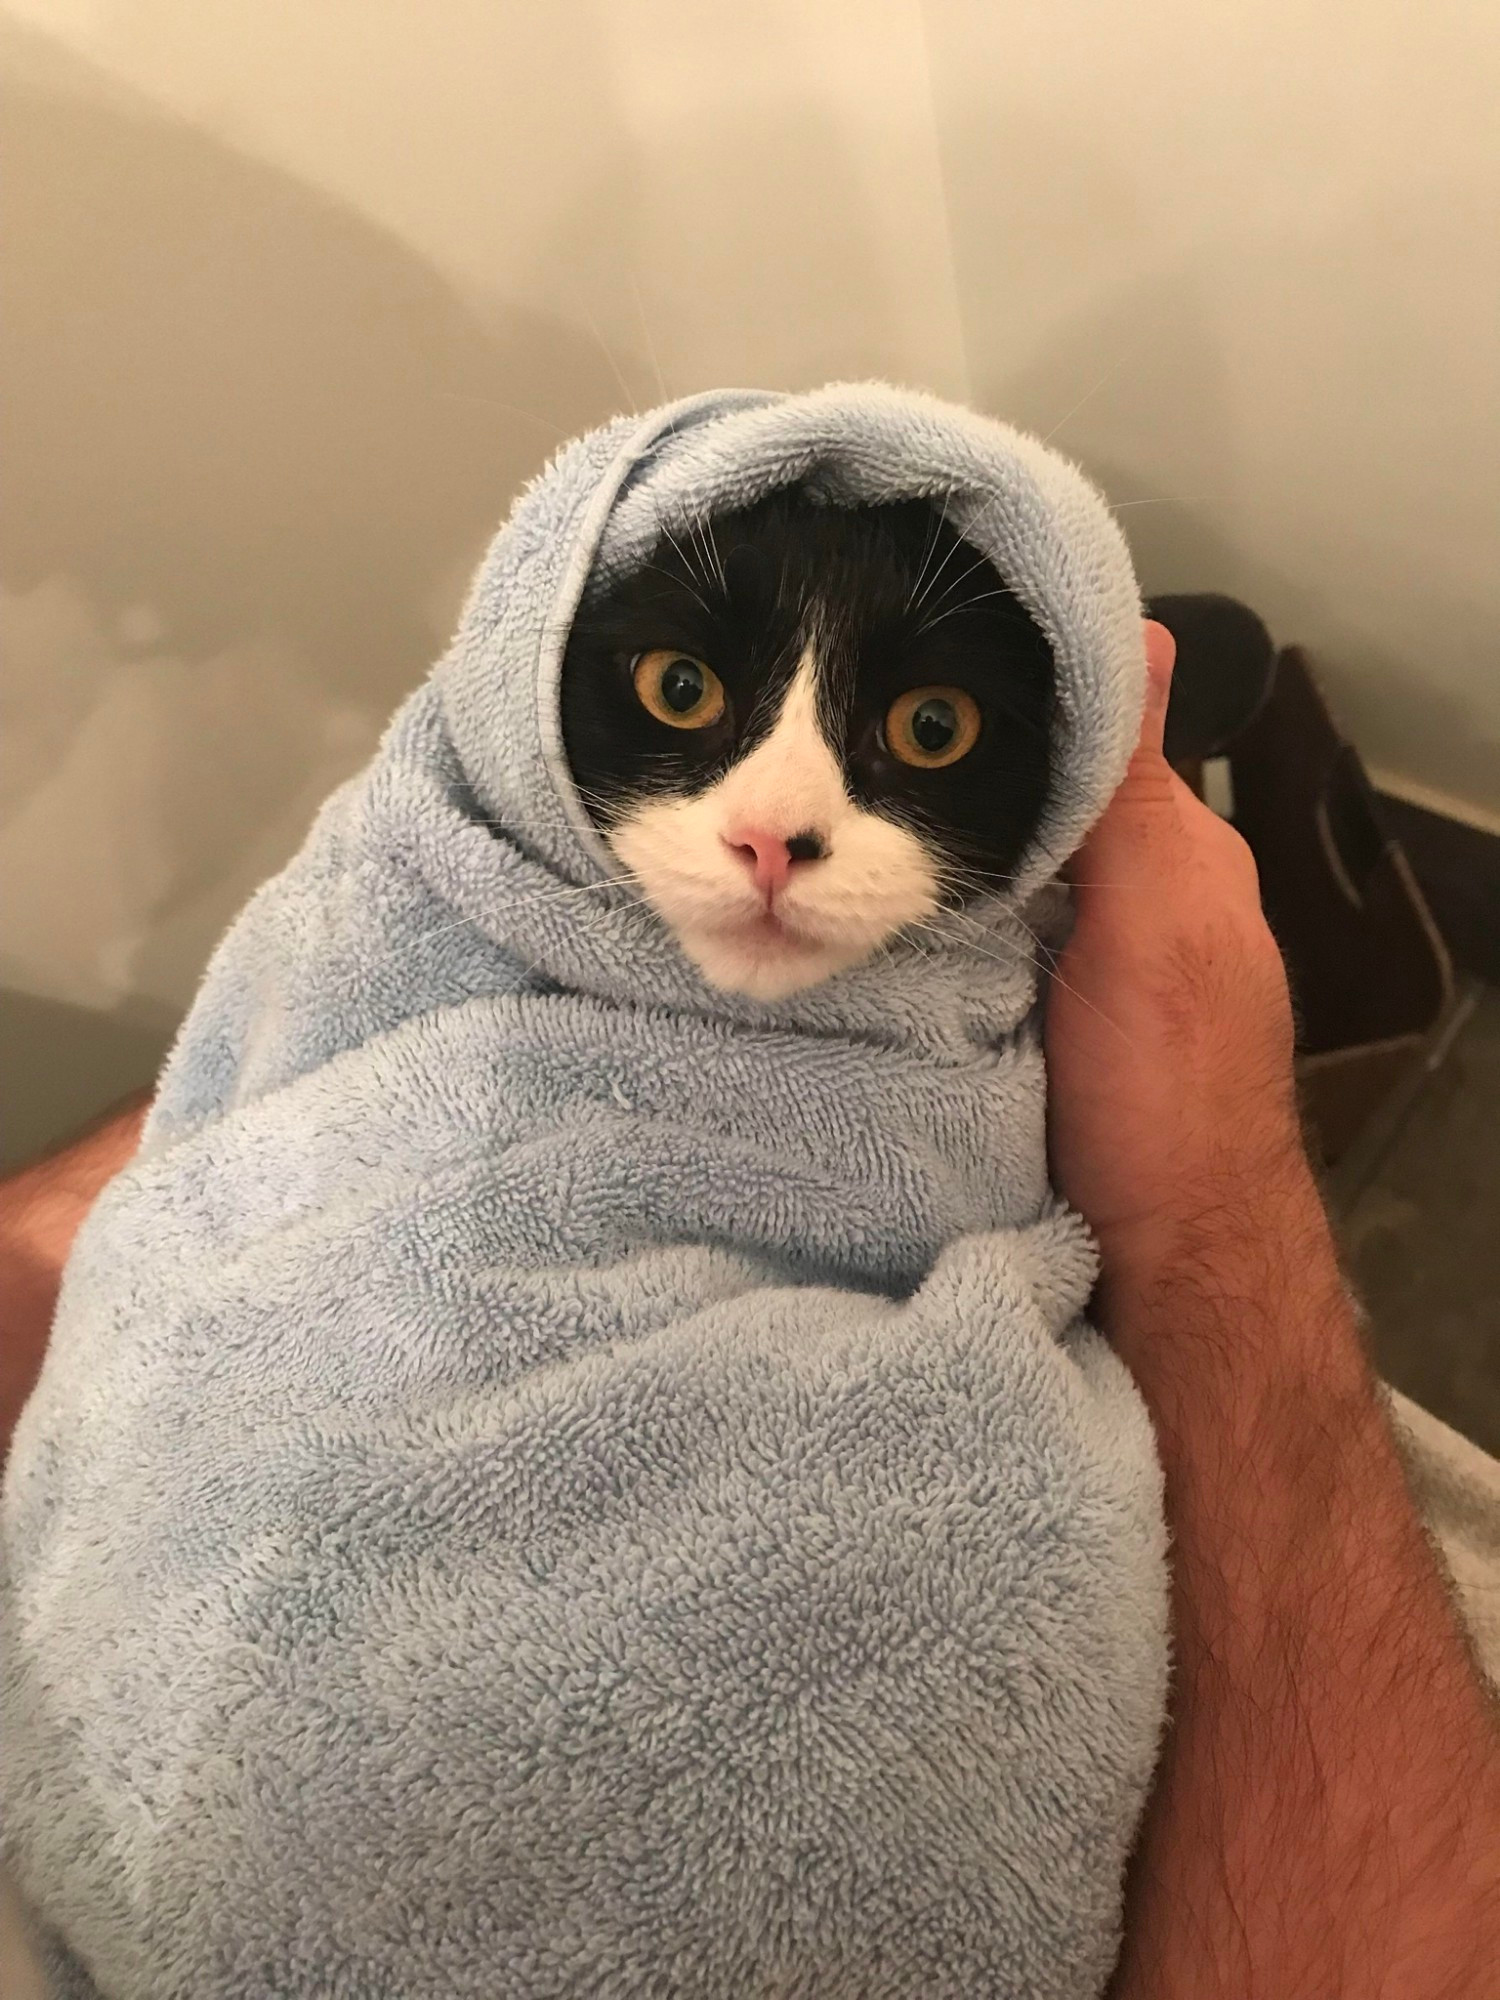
553, 1480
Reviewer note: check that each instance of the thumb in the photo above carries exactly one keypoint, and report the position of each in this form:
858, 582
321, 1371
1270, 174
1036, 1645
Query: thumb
1161, 657
1147, 777
1136, 814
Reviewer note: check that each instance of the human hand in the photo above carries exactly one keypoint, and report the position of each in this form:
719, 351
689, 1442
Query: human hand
1169, 1027
1326, 1816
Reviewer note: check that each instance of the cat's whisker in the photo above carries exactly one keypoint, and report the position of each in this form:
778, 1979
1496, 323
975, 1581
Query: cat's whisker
1103, 381
493, 403
1009, 958
939, 523
604, 348
699, 537
555, 896
1012, 914
931, 585
978, 886
640, 313
693, 569
1010, 954
1049, 971
718, 560
657, 570
947, 610
1157, 500
958, 582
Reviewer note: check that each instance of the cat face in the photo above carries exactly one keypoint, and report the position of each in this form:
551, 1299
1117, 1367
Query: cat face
804, 728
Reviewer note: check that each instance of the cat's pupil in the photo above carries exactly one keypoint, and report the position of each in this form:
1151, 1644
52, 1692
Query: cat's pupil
933, 725
682, 686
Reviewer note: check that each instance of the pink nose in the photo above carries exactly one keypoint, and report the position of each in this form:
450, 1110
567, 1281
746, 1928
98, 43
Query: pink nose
769, 858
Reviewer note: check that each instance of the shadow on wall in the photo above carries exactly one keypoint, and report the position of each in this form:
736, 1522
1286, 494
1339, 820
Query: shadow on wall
225, 389
1172, 482
254, 446
222, 392
1287, 410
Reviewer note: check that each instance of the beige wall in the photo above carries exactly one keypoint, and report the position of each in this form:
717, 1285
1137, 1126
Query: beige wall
1246, 260
302, 293
299, 293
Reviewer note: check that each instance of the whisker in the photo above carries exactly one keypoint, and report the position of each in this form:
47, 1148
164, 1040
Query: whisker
984, 884
508, 409
640, 312
604, 348
1017, 955
932, 541
964, 604
697, 596
693, 569
555, 896
713, 549
1157, 500
1089, 394
698, 537
980, 562
1049, 970
931, 584
922, 591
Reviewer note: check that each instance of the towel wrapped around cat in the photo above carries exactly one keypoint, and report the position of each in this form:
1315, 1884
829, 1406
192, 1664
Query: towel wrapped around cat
552, 1479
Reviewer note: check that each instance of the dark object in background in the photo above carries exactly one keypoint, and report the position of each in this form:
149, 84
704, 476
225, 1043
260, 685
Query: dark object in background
1370, 975
1458, 867
1369, 972
1226, 664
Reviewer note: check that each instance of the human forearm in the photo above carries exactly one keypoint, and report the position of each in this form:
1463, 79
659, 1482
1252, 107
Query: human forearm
1327, 1819
41, 1207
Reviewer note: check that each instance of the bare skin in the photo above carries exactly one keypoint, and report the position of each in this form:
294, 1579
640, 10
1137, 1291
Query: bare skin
41, 1208
1327, 1815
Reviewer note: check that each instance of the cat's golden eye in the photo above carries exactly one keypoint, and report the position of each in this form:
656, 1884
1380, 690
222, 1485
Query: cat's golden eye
678, 689
931, 727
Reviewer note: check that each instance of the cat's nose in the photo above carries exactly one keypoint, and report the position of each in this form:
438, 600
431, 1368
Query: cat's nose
769, 858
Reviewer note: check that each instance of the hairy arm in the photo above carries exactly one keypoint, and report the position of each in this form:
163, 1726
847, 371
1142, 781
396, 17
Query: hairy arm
41, 1207
1327, 1815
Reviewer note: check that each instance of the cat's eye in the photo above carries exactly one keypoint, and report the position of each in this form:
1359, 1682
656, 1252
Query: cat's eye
931, 727
677, 689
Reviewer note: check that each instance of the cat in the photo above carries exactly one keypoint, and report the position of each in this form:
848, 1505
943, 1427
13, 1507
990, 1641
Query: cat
803, 728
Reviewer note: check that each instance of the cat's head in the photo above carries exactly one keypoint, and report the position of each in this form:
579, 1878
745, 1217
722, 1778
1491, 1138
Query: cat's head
804, 728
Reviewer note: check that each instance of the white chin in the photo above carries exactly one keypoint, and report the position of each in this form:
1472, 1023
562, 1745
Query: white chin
766, 968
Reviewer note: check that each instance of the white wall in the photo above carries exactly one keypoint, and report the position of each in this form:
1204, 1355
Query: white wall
299, 293
302, 293
1246, 260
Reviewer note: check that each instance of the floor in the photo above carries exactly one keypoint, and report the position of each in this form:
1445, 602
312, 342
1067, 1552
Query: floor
1419, 1214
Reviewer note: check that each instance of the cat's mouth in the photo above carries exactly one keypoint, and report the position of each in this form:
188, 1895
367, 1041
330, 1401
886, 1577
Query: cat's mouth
765, 952
764, 926
771, 930
772, 939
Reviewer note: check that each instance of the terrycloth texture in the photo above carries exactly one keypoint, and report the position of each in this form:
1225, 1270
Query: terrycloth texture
550, 1480
1456, 1487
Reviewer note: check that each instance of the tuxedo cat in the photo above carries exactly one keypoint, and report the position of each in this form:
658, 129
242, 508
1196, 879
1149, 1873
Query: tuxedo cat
802, 728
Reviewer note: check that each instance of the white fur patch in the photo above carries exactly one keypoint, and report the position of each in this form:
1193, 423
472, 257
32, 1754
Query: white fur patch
874, 877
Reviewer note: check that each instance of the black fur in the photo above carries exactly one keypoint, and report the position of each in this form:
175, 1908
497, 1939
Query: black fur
893, 599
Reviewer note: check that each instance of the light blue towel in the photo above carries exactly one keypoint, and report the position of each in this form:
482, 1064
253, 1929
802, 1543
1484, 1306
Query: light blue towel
553, 1481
